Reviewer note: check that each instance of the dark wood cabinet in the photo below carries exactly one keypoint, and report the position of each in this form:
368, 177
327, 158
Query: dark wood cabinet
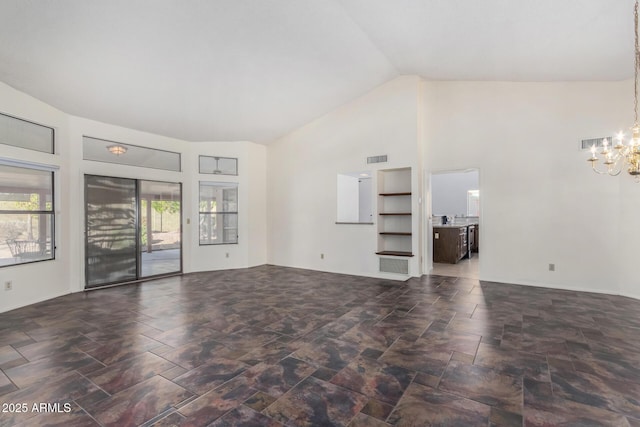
450, 244
472, 233
476, 239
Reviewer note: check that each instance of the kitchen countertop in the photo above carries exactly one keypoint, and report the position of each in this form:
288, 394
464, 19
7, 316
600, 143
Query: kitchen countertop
454, 225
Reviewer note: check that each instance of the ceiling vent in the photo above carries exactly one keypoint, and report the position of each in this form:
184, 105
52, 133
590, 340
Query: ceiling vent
588, 143
377, 159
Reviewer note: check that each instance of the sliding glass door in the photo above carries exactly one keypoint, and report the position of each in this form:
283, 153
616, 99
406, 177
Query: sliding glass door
111, 230
133, 229
160, 239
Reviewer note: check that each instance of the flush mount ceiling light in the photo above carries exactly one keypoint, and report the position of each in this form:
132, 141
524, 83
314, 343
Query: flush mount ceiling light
621, 155
117, 149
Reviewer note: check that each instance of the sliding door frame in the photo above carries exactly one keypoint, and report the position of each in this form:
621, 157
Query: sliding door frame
138, 231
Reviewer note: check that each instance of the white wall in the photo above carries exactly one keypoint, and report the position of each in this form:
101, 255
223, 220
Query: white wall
258, 204
540, 202
449, 192
251, 248
44, 280
302, 179
626, 249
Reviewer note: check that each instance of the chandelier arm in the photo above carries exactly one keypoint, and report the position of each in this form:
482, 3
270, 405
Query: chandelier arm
616, 167
593, 166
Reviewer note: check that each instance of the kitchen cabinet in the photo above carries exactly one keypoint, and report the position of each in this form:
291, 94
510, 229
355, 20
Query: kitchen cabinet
472, 237
476, 239
450, 243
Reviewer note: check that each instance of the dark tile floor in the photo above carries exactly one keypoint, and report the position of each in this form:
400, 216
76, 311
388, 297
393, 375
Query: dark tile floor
272, 346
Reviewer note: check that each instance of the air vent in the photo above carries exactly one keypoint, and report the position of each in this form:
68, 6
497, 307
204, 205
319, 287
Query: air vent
392, 265
377, 159
588, 143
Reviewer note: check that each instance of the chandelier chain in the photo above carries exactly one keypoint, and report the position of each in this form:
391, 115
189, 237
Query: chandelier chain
637, 53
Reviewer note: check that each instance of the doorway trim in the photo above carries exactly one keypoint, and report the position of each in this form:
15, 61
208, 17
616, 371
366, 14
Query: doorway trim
428, 230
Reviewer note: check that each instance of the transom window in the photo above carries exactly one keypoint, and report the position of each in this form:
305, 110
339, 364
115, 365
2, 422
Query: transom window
218, 165
26, 134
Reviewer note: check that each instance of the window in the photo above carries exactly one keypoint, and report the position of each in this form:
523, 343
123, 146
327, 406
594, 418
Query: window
24, 134
26, 215
218, 213
101, 150
355, 198
473, 203
218, 165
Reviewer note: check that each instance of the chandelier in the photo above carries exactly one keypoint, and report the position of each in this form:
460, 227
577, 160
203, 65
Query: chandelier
117, 149
617, 157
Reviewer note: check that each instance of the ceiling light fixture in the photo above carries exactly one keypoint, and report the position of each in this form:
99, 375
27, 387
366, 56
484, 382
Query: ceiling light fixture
117, 149
621, 155
217, 170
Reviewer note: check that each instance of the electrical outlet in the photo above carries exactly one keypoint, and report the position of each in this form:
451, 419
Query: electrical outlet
227, 254
321, 256
8, 285
552, 267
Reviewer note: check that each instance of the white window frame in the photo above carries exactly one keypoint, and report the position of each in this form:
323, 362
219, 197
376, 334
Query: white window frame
23, 251
218, 214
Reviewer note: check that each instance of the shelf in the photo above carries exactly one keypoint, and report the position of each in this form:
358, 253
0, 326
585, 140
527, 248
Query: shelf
395, 194
395, 253
395, 227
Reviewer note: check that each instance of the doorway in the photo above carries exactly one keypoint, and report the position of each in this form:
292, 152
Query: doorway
132, 229
454, 224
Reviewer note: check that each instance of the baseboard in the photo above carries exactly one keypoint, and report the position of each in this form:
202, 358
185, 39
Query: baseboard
385, 276
558, 287
35, 301
627, 295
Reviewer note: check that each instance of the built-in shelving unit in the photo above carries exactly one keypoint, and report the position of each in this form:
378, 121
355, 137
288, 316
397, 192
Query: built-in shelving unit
396, 194
394, 208
395, 253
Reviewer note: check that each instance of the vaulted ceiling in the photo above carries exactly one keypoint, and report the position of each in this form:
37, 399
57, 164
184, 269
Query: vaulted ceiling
213, 70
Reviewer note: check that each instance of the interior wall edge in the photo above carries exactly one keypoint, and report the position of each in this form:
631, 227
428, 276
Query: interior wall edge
560, 287
371, 275
23, 304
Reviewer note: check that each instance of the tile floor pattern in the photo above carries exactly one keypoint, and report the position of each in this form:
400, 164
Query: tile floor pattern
273, 346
